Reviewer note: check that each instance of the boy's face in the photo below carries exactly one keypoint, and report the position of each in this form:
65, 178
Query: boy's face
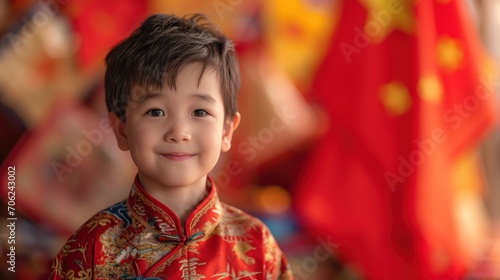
175, 137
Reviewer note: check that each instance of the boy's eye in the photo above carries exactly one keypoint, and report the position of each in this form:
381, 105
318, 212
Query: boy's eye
200, 113
156, 113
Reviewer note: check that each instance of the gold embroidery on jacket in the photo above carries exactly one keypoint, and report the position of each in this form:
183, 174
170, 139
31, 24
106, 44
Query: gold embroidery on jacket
231, 274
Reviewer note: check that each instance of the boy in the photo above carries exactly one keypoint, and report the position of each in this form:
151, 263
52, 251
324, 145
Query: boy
171, 90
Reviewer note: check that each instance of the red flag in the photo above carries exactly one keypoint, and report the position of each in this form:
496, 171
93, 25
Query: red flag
103, 24
404, 84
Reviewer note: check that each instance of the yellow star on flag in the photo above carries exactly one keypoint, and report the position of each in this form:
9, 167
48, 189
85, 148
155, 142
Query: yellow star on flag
430, 88
395, 98
384, 16
449, 53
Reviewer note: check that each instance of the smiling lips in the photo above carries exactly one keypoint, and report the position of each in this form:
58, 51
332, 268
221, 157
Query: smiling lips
178, 156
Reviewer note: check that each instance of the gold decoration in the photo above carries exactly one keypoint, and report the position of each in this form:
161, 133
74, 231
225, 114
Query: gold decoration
395, 98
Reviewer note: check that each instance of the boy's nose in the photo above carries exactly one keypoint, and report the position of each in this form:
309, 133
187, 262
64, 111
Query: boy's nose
178, 132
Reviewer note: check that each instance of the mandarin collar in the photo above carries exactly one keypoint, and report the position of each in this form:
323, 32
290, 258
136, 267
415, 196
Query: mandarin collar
161, 219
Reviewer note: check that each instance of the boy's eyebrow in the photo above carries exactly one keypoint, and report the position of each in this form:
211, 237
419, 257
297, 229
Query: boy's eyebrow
147, 95
205, 97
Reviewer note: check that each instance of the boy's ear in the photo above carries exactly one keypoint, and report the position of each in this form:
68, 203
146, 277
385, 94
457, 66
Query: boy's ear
119, 128
230, 126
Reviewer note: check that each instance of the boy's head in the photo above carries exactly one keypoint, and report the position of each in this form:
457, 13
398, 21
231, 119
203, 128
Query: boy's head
154, 54
171, 89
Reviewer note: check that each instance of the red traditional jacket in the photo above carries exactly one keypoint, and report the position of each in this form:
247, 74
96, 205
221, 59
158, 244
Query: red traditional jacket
140, 238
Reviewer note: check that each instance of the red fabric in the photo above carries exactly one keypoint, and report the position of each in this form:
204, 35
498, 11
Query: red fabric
103, 24
140, 238
394, 229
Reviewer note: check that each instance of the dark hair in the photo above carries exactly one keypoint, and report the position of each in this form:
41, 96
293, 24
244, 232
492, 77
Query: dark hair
155, 52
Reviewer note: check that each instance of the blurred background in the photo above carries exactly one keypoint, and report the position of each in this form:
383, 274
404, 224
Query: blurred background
369, 141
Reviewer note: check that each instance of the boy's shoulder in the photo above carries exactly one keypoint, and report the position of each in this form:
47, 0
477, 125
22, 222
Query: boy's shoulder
235, 221
115, 215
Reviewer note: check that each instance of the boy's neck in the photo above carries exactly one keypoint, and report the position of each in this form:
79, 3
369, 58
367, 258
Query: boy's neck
181, 199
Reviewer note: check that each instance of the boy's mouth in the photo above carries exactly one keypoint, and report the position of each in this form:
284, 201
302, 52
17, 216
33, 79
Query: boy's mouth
178, 156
